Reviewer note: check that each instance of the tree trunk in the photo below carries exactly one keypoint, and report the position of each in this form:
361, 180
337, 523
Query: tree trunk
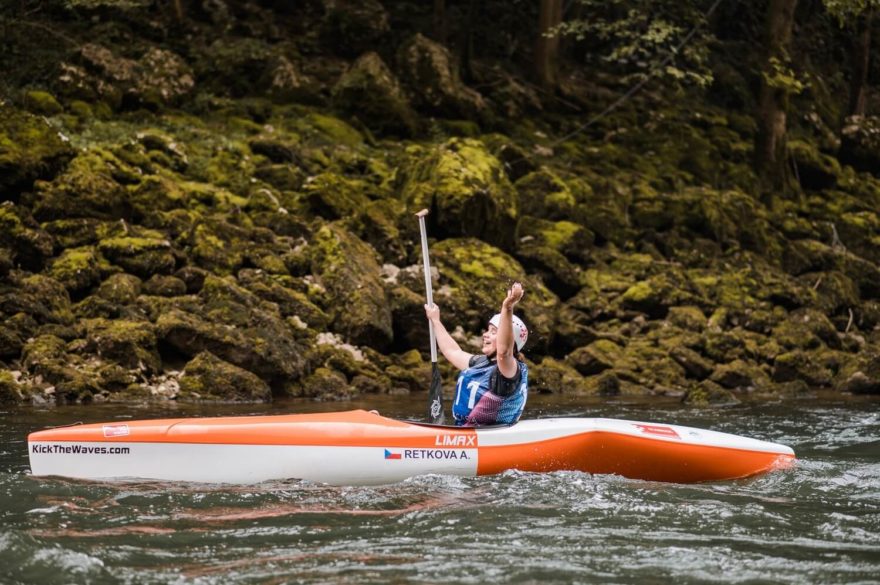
547, 48
858, 95
439, 21
773, 101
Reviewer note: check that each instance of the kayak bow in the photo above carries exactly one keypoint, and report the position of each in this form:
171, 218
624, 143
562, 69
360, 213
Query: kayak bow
360, 448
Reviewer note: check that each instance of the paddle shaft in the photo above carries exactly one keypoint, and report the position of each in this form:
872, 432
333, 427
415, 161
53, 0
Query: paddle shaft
428, 290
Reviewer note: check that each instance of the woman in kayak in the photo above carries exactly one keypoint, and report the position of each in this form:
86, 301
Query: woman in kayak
492, 387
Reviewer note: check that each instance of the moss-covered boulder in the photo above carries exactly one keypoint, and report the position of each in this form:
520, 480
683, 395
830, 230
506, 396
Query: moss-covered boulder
554, 376
143, 255
570, 239
690, 318
816, 171
208, 378
694, 364
350, 272
41, 103
41, 297
79, 269
30, 149
164, 286
283, 291
544, 194
708, 393
27, 244
379, 223
861, 376
371, 92
740, 375
324, 384
333, 196
121, 288
131, 344
561, 276
595, 358
10, 389
429, 71
835, 292
801, 365
468, 191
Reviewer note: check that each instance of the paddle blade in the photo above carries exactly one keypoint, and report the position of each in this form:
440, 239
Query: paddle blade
435, 397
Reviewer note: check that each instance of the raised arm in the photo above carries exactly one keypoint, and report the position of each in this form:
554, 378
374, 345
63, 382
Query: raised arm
504, 345
447, 345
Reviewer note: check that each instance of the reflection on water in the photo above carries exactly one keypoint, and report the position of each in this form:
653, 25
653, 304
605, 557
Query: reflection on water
817, 522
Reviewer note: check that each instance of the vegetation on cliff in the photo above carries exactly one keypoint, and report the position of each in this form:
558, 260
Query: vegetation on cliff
215, 202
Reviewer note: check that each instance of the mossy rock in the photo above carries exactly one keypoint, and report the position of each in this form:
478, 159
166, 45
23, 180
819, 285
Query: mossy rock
334, 197
860, 231
371, 92
554, 376
140, 255
120, 289
320, 129
91, 186
10, 389
723, 346
42, 297
79, 269
81, 231
323, 384
695, 365
378, 224
14, 331
41, 103
816, 171
568, 238
708, 393
595, 358
131, 344
409, 372
860, 376
801, 365
208, 378
430, 72
164, 286
30, 149
807, 255
690, 318
740, 375
545, 195
348, 268
262, 343
835, 292
467, 190
561, 276
27, 244
282, 292
657, 294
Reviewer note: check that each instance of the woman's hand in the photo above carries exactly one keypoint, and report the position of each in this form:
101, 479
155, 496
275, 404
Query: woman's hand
432, 312
514, 294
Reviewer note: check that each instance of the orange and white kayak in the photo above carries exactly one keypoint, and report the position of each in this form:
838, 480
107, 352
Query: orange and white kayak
362, 448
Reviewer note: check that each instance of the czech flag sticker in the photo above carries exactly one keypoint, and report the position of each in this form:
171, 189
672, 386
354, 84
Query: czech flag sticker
390, 455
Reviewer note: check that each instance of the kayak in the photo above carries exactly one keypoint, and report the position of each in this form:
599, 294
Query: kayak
363, 448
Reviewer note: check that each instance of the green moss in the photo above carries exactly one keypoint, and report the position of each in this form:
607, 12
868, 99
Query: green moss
42, 102
330, 129
10, 389
79, 268
81, 110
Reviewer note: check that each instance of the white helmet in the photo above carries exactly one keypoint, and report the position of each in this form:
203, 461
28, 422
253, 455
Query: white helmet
520, 331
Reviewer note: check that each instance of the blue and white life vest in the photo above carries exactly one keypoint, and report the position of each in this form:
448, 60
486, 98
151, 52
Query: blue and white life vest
473, 387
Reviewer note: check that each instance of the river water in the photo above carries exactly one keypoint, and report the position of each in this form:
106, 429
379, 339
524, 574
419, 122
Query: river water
816, 523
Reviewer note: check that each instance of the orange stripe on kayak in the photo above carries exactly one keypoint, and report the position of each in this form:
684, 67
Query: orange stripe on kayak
602, 452
338, 429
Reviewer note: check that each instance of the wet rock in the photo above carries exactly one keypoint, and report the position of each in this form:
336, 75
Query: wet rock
468, 191
208, 378
800, 365
708, 393
740, 375
371, 92
30, 149
428, 70
349, 270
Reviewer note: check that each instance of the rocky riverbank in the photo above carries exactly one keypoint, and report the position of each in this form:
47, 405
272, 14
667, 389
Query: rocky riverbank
233, 220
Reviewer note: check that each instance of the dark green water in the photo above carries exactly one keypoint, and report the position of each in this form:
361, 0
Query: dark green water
818, 523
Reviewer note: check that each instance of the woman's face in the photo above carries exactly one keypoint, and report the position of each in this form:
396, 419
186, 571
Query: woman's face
489, 337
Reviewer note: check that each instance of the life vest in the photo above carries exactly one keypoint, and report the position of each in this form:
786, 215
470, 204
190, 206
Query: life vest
473, 395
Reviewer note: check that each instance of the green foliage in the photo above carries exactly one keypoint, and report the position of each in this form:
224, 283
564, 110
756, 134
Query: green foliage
845, 11
779, 75
637, 36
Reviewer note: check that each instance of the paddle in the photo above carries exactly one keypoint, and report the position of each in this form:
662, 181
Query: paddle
435, 395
